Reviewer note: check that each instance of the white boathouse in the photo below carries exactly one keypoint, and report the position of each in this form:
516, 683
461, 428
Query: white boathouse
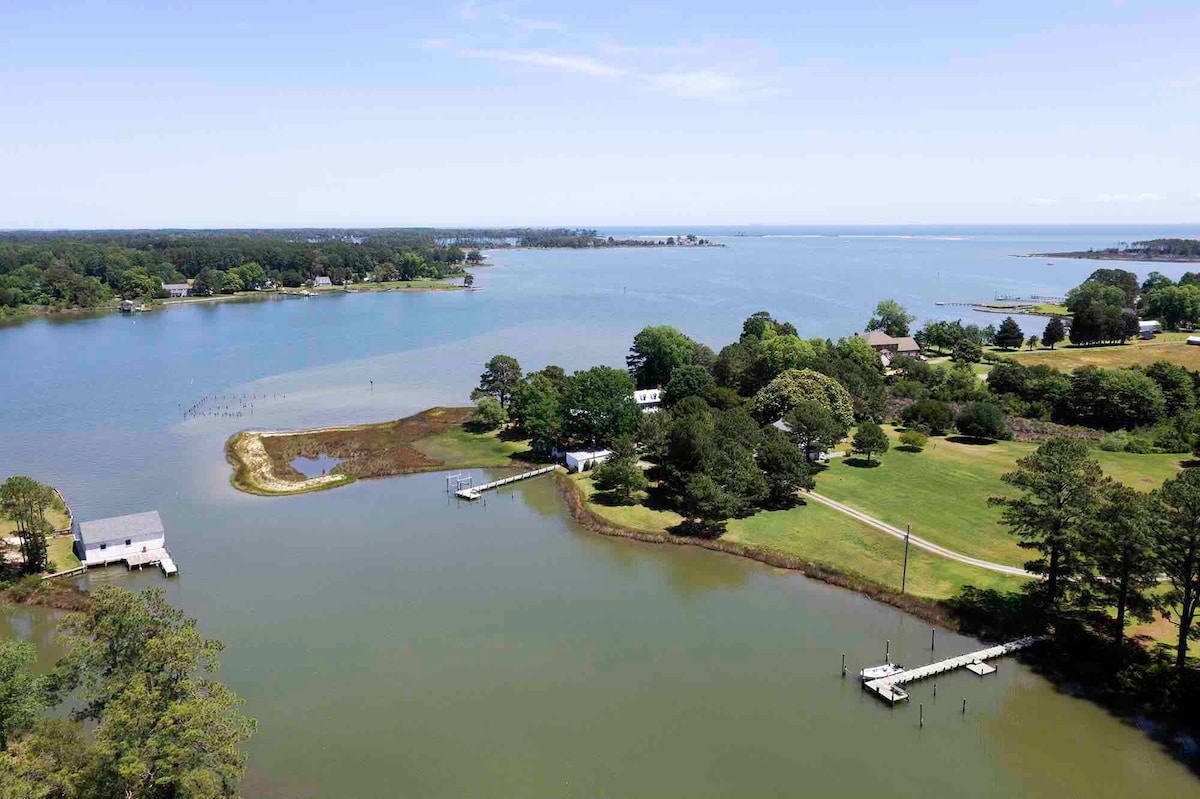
137, 539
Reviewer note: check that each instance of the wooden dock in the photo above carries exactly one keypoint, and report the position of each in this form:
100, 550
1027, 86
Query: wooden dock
474, 492
888, 688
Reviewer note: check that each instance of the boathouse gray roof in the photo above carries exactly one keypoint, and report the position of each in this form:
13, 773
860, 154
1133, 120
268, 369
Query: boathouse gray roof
117, 527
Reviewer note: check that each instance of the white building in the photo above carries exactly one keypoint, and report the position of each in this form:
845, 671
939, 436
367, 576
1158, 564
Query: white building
586, 459
648, 399
321, 281
1147, 328
178, 289
137, 539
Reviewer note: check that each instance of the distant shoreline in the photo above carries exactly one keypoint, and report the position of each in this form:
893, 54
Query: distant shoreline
1106, 256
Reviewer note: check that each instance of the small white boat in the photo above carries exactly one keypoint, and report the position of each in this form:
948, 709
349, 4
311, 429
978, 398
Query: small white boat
879, 672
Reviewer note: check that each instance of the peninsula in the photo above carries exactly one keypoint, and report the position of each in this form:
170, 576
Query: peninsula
1164, 250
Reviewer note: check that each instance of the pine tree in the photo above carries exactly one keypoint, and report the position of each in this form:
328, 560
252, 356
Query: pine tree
1009, 336
1054, 333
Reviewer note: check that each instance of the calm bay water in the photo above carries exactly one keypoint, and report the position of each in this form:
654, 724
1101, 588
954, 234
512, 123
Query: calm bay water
392, 642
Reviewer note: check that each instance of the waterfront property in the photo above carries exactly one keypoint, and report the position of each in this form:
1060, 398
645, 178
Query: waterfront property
321, 281
584, 459
138, 539
885, 681
890, 347
178, 289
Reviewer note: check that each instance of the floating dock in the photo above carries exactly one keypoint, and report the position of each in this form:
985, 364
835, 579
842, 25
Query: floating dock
474, 492
888, 688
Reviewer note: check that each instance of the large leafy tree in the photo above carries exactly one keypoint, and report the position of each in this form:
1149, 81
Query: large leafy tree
982, 420
25, 501
891, 317
656, 353
783, 466
1179, 555
598, 406
814, 427
1058, 484
688, 380
537, 408
500, 379
1122, 545
21, 694
783, 393
869, 439
163, 727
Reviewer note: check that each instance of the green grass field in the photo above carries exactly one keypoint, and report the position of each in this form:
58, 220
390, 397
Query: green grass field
62, 555
460, 447
821, 535
1171, 347
57, 516
943, 491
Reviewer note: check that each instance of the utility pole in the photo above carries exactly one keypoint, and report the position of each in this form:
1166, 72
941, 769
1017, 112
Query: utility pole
904, 575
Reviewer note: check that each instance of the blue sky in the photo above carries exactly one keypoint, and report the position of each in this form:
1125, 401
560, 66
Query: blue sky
147, 114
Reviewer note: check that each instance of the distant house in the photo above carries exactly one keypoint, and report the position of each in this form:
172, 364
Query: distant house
890, 347
648, 399
1149, 328
178, 289
128, 306
1194, 341
137, 539
586, 459
321, 281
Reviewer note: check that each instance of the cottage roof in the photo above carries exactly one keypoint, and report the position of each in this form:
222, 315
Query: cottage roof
907, 344
118, 527
169, 286
877, 338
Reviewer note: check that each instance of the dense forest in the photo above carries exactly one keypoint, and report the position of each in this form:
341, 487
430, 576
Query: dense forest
1150, 250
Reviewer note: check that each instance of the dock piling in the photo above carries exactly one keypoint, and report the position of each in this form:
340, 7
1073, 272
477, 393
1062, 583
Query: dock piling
843, 664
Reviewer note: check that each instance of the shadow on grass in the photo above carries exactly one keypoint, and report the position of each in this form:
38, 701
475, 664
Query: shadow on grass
907, 448
971, 441
698, 528
861, 463
1190, 463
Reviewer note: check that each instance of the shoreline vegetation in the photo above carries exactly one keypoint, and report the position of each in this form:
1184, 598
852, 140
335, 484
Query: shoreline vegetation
433, 439
35, 527
47, 273
1152, 250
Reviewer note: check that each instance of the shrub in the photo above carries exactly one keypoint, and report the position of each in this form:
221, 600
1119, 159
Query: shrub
1115, 442
1139, 445
929, 415
914, 440
489, 414
967, 351
982, 420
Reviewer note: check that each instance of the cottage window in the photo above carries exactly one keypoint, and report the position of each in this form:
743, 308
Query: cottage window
128, 542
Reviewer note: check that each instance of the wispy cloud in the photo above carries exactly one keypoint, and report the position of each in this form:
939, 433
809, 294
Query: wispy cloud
1042, 201
585, 65
699, 84
473, 11
1144, 197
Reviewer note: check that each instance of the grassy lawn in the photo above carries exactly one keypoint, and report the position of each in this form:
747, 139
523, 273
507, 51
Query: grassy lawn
821, 535
62, 555
1171, 347
56, 515
419, 284
943, 490
457, 446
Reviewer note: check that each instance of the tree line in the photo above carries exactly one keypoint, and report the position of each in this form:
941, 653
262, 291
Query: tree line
82, 271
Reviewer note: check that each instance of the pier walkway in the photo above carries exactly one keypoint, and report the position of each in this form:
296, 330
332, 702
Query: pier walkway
474, 492
888, 688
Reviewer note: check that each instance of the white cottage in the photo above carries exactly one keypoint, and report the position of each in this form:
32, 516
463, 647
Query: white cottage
137, 539
321, 280
586, 459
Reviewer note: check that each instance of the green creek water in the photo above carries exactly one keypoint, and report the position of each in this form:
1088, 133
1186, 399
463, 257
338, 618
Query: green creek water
394, 642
